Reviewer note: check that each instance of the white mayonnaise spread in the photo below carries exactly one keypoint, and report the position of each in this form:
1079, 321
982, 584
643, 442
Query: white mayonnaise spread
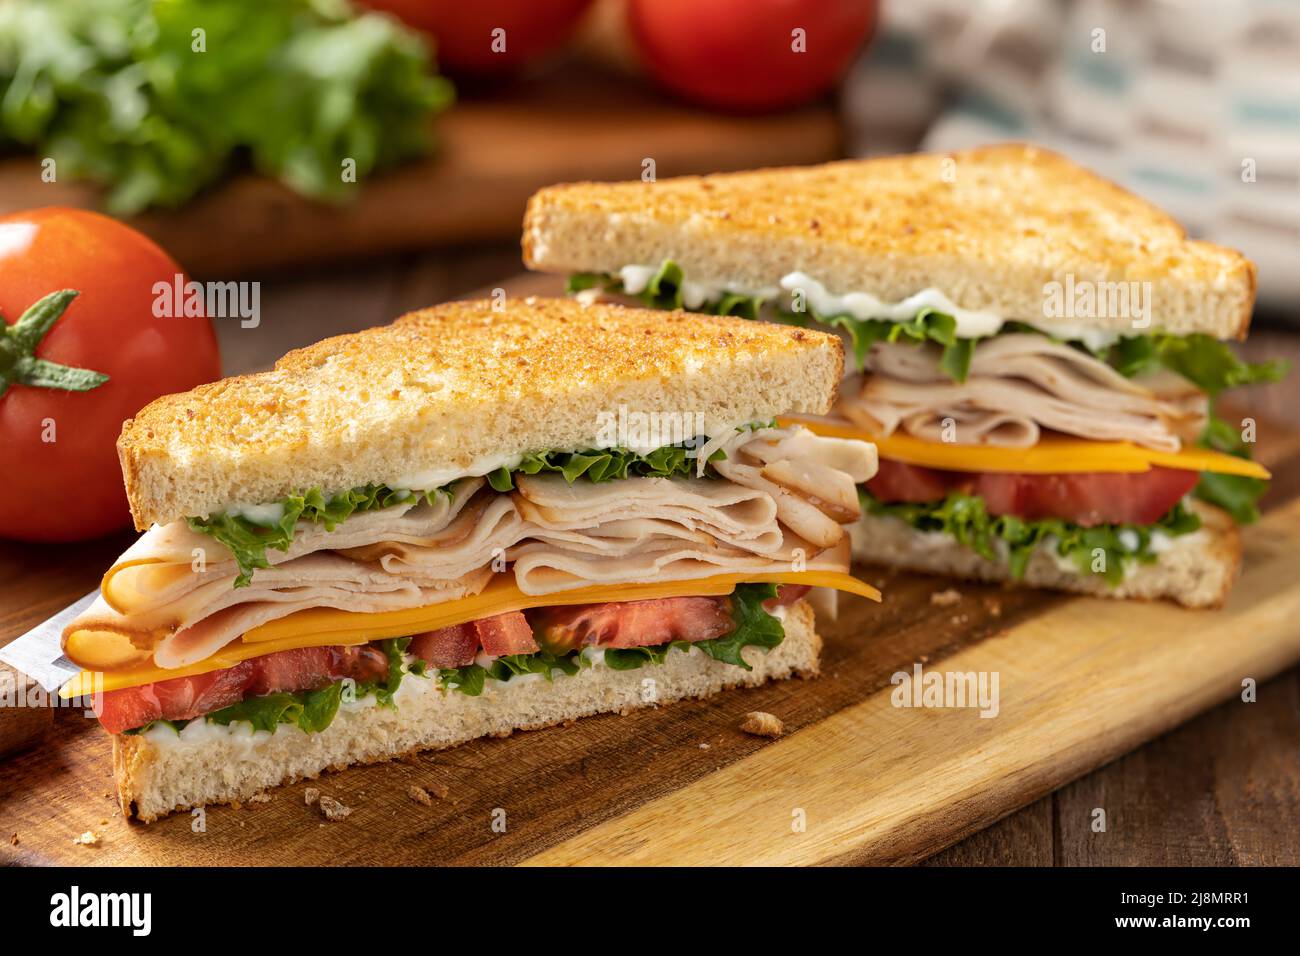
694, 294
971, 323
863, 305
432, 478
265, 515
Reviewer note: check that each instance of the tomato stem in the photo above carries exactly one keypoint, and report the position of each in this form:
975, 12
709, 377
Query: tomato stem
18, 362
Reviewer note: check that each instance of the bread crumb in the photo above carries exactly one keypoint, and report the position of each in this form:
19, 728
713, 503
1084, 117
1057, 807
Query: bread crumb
946, 598
262, 797
439, 790
310, 795
89, 838
704, 746
762, 724
13, 840
419, 795
333, 809
994, 607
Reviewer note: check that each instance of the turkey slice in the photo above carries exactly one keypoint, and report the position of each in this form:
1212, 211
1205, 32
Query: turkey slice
734, 514
168, 563
543, 568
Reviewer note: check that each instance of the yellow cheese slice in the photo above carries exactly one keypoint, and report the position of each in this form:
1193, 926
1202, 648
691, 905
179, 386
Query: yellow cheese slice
1053, 454
320, 627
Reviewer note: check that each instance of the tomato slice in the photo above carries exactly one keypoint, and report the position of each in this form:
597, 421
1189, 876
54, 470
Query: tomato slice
1085, 498
623, 624
183, 698
897, 481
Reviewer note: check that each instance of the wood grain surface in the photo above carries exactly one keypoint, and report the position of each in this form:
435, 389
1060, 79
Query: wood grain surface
495, 150
1220, 789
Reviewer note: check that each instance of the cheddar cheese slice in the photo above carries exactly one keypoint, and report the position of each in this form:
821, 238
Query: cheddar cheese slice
1053, 454
320, 627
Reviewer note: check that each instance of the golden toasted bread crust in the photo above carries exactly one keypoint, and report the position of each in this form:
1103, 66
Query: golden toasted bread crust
443, 387
989, 227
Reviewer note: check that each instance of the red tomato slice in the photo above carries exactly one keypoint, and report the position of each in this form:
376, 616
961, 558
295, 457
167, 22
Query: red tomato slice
506, 634
454, 646
183, 698
631, 623
897, 481
1086, 498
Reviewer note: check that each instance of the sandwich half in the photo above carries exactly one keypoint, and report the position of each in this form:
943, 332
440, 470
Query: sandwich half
471, 521
1035, 351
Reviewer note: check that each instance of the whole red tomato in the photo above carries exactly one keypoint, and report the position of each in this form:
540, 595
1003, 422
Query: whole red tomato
464, 29
746, 54
62, 480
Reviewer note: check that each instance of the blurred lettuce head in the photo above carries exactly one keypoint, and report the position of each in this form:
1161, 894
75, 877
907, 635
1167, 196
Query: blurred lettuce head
157, 99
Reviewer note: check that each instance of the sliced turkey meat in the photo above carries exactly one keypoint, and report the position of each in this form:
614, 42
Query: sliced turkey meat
779, 499
1018, 385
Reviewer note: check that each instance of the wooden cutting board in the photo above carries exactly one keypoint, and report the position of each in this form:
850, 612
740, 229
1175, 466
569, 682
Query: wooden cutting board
1081, 682
496, 150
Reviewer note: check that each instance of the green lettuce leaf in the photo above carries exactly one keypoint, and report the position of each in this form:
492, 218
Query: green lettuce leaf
664, 291
755, 627
965, 518
928, 325
248, 540
1210, 365
115, 92
468, 680
631, 658
394, 649
312, 710
1236, 494
671, 461
471, 678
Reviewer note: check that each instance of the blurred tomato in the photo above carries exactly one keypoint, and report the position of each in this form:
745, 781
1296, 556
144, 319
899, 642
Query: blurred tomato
746, 54
464, 29
62, 480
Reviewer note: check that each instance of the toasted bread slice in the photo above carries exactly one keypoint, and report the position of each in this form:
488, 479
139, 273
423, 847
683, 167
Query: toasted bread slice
988, 227
158, 772
1197, 570
457, 389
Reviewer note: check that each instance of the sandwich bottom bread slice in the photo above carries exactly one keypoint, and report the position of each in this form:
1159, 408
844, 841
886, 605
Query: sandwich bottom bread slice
473, 521
206, 763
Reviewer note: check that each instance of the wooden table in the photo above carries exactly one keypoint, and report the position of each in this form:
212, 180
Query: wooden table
1219, 790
